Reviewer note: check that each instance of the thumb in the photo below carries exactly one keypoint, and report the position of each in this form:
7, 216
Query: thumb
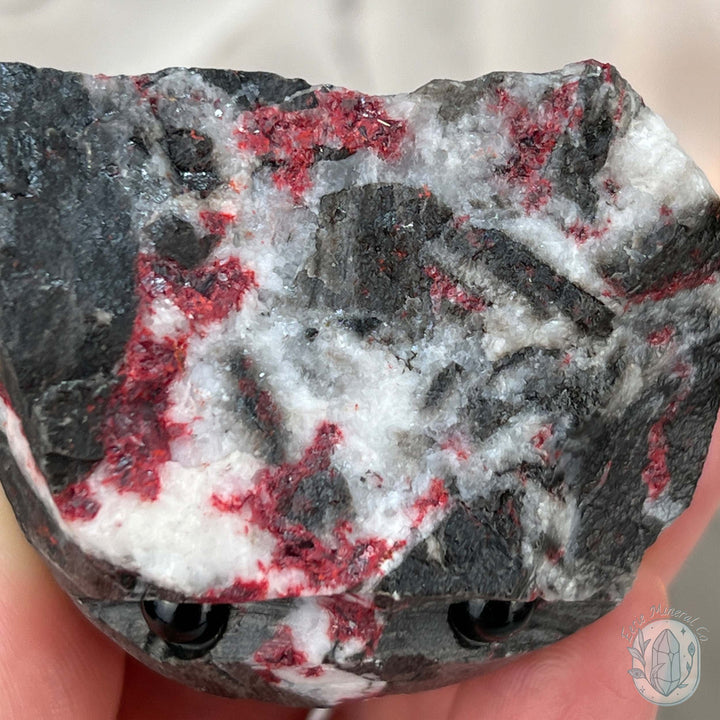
53, 663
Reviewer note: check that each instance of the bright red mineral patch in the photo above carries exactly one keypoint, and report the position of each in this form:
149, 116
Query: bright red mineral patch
444, 288
436, 497
352, 618
534, 134
279, 652
341, 121
656, 474
334, 561
136, 433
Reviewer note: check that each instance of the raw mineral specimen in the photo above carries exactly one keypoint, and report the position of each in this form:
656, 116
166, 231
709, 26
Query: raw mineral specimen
310, 395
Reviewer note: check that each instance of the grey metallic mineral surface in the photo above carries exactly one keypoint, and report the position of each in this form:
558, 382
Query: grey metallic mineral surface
309, 395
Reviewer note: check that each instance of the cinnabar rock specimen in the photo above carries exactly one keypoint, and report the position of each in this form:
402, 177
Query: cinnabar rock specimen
310, 395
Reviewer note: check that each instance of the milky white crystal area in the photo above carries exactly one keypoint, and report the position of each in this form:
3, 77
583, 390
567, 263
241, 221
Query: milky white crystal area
11, 426
205, 509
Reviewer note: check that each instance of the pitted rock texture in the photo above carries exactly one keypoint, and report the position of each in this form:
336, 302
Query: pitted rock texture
339, 362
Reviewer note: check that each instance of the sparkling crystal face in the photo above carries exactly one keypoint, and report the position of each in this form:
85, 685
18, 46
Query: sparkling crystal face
290, 373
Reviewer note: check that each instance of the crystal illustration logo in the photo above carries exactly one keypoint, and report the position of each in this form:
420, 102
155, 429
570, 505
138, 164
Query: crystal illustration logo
665, 656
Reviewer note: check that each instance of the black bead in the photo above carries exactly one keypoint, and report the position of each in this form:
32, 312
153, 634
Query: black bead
483, 621
188, 629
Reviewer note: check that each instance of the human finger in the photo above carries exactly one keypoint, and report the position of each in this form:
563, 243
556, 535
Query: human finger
53, 663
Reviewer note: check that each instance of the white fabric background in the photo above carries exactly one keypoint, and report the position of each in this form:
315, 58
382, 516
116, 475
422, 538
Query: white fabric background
669, 50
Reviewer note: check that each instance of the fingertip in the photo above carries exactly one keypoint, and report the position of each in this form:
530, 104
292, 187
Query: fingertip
149, 696
53, 663
584, 676
17, 557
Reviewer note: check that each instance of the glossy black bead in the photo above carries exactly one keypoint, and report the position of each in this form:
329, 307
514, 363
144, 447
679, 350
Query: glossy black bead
483, 621
188, 629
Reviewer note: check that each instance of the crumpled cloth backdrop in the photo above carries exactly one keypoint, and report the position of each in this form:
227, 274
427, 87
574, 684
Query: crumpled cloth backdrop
668, 50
